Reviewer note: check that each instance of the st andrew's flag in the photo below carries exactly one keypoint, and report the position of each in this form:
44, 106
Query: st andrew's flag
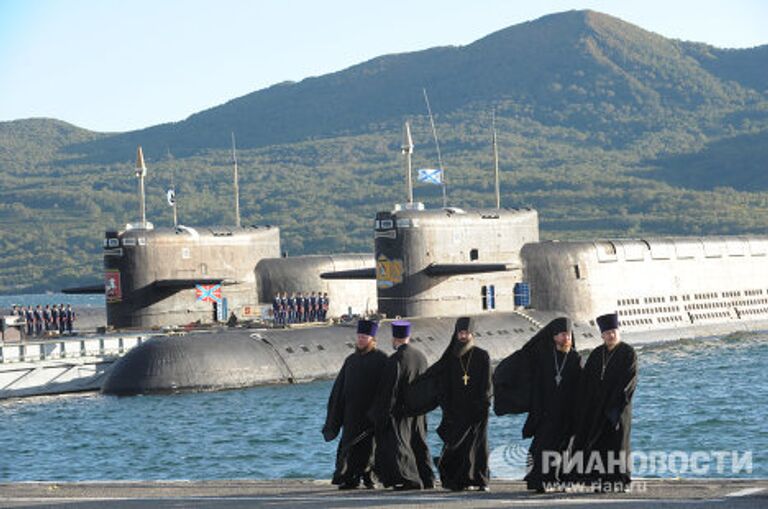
430, 176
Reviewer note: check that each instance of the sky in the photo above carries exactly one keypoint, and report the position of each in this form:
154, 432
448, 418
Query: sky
120, 65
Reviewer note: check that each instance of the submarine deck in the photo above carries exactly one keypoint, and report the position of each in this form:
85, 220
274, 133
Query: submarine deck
232, 494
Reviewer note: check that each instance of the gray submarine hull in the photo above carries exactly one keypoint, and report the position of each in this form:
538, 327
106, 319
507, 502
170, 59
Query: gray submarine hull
240, 358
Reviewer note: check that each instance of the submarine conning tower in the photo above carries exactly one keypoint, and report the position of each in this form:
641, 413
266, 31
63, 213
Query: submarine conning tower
450, 262
675, 282
175, 276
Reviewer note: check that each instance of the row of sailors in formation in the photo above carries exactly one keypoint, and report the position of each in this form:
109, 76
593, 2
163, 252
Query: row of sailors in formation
579, 415
299, 308
50, 318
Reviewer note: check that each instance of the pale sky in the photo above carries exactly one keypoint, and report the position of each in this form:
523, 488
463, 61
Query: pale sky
118, 65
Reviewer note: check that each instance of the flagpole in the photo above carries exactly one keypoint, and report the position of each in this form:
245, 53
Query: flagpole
437, 146
496, 161
237, 187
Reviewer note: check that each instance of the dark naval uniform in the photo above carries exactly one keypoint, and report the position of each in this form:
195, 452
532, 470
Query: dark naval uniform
38, 315
276, 314
312, 307
47, 317
70, 318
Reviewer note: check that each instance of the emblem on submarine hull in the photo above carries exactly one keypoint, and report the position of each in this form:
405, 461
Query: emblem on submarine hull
388, 272
112, 289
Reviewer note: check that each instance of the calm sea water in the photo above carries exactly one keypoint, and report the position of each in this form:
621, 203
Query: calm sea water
694, 396
33, 299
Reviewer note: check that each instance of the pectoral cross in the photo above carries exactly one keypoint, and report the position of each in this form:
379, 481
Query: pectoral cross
465, 378
558, 379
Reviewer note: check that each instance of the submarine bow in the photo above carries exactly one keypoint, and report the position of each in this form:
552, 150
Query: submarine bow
199, 362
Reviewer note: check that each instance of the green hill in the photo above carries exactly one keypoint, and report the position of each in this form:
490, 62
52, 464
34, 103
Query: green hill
606, 128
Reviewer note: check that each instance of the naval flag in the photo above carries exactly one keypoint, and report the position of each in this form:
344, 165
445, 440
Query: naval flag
208, 293
430, 176
171, 195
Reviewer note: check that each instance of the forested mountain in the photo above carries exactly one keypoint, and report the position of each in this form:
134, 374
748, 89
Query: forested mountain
605, 128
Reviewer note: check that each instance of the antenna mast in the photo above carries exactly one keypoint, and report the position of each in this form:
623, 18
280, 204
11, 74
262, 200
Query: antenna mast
437, 146
237, 187
171, 194
407, 150
141, 172
175, 215
496, 160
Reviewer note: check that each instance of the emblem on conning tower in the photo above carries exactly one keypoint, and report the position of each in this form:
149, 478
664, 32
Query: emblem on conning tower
112, 289
388, 272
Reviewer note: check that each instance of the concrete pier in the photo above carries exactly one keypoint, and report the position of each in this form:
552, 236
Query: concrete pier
730, 493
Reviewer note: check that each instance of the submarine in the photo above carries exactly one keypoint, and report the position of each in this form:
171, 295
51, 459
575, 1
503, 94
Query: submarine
429, 266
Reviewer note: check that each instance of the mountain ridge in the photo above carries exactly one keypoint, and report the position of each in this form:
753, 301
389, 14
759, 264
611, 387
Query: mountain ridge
388, 88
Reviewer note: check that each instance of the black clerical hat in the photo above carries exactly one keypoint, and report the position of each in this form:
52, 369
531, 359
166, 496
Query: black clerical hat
464, 323
367, 327
608, 322
562, 324
401, 329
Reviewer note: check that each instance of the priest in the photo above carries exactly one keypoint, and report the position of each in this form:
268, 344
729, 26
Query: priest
602, 442
556, 372
349, 407
403, 461
460, 383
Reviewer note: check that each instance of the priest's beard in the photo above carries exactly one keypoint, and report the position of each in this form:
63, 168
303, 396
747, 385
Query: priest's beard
363, 351
459, 348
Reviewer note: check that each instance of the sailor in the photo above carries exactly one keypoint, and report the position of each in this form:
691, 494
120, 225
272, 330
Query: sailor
70, 318
23, 314
304, 307
284, 308
546, 371
324, 307
350, 406
55, 316
402, 455
30, 318
15, 311
608, 384
460, 383
47, 317
276, 314
62, 319
292, 308
38, 315
300, 307
312, 305
232, 320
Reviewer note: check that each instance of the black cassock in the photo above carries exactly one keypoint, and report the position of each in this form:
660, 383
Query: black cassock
349, 405
526, 382
552, 419
606, 415
402, 454
464, 428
